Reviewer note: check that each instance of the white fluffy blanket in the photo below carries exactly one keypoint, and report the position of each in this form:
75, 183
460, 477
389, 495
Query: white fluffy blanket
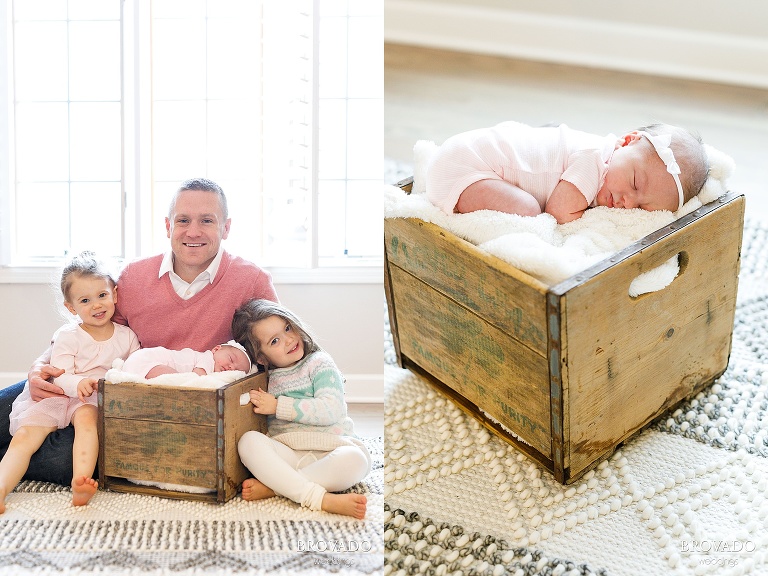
546, 250
187, 379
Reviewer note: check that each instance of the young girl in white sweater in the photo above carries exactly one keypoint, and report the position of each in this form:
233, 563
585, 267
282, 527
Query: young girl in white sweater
311, 451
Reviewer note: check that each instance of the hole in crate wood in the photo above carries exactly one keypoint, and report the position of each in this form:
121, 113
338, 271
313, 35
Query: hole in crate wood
682, 265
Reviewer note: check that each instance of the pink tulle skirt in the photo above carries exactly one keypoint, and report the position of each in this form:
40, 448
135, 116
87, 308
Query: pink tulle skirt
51, 412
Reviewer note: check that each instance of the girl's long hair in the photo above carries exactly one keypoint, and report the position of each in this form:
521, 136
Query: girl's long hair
255, 310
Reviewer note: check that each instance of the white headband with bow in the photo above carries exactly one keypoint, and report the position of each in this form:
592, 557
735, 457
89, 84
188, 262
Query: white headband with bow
661, 145
239, 346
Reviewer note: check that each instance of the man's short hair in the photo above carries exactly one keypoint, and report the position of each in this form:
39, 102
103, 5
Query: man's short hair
204, 185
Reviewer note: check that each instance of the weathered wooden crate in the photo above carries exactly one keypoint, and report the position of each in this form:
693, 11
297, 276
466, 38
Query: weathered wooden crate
175, 435
566, 372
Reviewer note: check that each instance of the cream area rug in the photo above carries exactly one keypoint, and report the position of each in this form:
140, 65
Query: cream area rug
687, 496
121, 534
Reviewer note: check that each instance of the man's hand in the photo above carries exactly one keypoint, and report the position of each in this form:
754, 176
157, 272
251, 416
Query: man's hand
40, 385
86, 387
263, 402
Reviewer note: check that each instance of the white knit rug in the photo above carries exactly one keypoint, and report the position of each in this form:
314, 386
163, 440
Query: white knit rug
42, 533
688, 496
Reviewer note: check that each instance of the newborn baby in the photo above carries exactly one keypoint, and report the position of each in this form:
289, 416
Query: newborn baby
152, 362
525, 170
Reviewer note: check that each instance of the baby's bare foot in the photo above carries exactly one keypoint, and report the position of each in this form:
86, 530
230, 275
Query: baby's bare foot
347, 504
82, 490
2, 501
255, 490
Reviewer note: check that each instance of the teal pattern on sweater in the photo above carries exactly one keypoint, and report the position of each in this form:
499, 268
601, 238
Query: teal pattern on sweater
310, 397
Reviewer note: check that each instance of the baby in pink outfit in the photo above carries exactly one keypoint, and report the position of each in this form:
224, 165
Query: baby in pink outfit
524, 170
152, 362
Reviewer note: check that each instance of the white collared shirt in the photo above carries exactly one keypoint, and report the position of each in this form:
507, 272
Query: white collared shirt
185, 289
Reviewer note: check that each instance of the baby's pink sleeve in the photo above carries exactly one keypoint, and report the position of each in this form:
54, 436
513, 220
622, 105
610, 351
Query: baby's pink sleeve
585, 170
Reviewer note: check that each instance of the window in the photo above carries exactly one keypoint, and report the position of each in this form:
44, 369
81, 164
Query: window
109, 104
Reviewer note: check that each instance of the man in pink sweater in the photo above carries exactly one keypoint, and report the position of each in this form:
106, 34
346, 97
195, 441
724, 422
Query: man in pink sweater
183, 299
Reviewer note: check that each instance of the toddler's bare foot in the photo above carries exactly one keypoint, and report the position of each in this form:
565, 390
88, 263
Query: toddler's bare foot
255, 490
82, 490
347, 504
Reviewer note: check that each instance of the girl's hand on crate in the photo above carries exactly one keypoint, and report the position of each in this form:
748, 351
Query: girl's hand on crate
86, 387
263, 402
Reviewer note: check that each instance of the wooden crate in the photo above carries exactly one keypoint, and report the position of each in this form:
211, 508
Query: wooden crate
175, 435
566, 372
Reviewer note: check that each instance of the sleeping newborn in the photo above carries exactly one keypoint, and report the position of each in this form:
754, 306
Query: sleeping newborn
152, 362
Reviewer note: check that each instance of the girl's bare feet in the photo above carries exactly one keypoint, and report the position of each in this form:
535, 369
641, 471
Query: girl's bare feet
347, 504
255, 490
82, 490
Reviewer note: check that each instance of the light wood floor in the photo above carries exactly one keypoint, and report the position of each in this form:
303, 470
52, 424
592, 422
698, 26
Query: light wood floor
433, 94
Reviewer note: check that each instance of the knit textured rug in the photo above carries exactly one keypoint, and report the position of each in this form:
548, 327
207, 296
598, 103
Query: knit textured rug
687, 496
42, 533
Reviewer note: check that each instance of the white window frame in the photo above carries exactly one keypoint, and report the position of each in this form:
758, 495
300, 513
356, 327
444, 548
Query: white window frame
137, 213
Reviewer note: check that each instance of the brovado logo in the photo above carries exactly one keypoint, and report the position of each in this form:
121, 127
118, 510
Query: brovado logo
717, 546
333, 546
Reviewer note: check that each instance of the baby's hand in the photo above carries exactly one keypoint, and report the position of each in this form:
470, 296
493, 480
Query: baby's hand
200, 371
86, 387
263, 402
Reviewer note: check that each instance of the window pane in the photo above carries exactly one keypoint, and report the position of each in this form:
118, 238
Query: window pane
162, 192
365, 145
243, 9
330, 8
366, 55
96, 216
287, 227
178, 59
333, 139
42, 233
332, 216
40, 61
234, 148
333, 58
234, 59
39, 10
365, 223
95, 142
42, 141
366, 8
179, 140
94, 9
246, 232
178, 8
94, 72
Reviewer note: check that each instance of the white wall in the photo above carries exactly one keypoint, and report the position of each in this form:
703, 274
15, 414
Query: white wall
347, 319
707, 40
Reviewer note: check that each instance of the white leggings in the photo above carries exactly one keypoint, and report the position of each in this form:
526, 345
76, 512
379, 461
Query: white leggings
301, 475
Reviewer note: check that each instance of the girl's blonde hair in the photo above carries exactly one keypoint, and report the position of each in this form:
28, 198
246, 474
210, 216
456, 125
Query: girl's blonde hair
255, 310
84, 264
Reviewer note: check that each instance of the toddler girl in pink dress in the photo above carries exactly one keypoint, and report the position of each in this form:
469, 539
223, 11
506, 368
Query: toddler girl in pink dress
85, 352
